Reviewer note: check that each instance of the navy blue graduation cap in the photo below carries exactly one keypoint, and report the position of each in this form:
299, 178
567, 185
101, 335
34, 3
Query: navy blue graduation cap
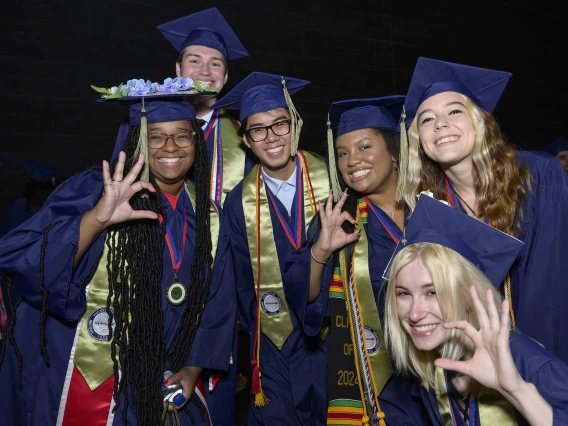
431, 77
356, 114
490, 250
205, 28
262, 92
146, 110
40, 171
559, 145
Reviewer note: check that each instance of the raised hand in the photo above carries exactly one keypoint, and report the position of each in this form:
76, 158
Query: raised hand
492, 363
332, 237
114, 206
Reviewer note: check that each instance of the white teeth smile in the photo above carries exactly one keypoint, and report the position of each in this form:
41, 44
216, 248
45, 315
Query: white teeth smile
447, 139
275, 150
169, 160
360, 173
425, 327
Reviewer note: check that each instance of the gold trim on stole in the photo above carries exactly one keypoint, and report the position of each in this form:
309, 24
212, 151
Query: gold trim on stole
234, 154
494, 409
93, 357
277, 327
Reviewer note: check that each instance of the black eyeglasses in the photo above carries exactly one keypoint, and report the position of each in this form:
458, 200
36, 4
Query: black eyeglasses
182, 139
260, 133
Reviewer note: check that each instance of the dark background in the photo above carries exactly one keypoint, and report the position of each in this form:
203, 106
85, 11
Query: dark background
51, 52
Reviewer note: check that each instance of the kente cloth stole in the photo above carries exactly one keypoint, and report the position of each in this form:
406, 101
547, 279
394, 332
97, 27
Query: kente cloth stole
92, 353
358, 365
494, 409
274, 315
228, 157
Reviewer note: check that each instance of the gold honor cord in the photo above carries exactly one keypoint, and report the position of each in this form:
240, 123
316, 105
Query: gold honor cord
380, 360
494, 409
277, 326
234, 154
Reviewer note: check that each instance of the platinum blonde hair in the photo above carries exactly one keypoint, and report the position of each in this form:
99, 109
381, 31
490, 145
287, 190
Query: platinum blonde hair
451, 275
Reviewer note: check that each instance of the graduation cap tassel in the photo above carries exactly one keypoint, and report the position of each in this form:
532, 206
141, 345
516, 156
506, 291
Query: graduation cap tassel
296, 124
402, 160
335, 187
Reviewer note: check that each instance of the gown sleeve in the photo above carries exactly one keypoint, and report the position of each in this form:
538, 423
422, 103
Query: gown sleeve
213, 339
296, 278
54, 231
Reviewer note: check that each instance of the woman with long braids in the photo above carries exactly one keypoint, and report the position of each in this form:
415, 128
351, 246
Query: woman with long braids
363, 161
457, 151
122, 276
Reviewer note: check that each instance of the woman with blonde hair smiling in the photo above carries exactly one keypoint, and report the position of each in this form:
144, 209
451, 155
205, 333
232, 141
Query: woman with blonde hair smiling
456, 150
446, 324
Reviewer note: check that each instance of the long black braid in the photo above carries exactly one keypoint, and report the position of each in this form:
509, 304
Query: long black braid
134, 265
12, 306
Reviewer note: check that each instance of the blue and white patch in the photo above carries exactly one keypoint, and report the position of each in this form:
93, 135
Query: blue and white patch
97, 325
371, 340
270, 303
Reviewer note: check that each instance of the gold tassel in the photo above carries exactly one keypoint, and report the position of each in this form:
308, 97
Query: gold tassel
296, 121
142, 148
335, 187
402, 160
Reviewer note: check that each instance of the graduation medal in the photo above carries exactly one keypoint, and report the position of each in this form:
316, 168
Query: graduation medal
176, 292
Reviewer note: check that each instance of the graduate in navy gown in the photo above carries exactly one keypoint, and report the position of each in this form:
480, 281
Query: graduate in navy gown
366, 153
205, 44
125, 274
447, 324
270, 213
559, 149
457, 151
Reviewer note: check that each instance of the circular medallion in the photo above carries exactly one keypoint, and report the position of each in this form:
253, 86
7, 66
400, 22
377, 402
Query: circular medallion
176, 293
97, 325
371, 340
271, 303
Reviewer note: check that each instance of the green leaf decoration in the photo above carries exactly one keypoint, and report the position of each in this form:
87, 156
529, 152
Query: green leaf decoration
100, 89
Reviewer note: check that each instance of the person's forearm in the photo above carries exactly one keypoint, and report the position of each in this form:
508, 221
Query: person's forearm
89, 230
529, 402
316, 271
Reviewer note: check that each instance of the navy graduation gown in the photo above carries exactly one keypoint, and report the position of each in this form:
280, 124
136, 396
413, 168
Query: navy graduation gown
293, 379
539, 276
20, 250
536, 365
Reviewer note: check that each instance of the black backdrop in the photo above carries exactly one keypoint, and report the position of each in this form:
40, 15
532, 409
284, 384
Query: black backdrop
52, 51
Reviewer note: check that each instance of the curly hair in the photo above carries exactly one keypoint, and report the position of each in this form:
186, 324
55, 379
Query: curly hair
501, 185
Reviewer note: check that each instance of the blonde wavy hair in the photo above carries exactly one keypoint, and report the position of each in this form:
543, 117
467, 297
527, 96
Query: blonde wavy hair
501, 185
451, 275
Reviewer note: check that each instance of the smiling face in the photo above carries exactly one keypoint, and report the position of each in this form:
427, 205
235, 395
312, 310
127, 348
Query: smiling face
274, 151
418, 308
364, 161
170, 163
204, 64
446, 129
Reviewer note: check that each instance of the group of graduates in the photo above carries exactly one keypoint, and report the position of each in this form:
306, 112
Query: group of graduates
413, 275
